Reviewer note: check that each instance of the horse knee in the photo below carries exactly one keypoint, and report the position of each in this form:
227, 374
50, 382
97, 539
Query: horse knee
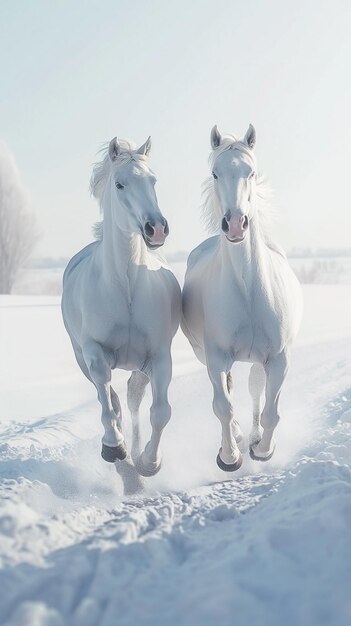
108, 418
98, 369
222, 408
115, 402
270, 420
160, 414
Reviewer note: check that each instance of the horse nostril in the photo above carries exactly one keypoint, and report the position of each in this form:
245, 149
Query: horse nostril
225, 225
245, 222
149, 229
166, 228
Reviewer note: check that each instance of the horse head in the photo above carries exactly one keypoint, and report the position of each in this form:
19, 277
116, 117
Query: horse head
234, 173
137, 208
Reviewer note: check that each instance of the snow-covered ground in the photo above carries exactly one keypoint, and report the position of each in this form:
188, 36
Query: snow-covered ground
269, 545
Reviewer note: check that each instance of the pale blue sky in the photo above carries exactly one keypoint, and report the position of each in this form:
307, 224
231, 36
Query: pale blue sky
74, 74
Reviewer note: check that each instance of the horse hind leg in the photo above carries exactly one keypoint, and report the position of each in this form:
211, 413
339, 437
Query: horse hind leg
136, 390
257, 380
132, 482
276, 370
238, 433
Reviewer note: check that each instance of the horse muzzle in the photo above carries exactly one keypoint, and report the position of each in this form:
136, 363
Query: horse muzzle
155, 233
235, 226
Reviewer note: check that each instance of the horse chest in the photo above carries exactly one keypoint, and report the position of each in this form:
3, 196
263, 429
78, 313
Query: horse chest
248, 327
135, 334
129, 345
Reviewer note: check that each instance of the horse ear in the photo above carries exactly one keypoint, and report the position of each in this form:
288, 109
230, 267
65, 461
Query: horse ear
113, 149
216, 137
250, 137
145, 148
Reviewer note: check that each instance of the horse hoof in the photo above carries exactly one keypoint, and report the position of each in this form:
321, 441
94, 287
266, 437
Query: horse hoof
112, 454
146, 470
260, 458
229, 467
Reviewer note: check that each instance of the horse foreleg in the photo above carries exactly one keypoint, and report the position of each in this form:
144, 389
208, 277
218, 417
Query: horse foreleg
276, 370
229, 457
149, 461
116, 405
136, 391
113, 445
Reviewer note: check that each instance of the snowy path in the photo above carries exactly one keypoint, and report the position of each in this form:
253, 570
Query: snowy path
269, 546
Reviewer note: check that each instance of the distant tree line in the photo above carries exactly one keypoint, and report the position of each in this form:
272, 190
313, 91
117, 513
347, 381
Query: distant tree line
18, 230
301, 253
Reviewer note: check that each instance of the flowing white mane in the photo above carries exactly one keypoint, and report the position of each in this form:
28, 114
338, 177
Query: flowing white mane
211, 210
102, 170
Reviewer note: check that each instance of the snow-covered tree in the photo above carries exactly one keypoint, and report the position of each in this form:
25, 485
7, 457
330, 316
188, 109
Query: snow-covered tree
18, 230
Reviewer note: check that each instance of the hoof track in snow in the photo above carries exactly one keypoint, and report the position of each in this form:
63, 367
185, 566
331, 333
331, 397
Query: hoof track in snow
110, 560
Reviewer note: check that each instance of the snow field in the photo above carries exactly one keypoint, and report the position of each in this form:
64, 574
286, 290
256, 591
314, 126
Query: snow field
197, 547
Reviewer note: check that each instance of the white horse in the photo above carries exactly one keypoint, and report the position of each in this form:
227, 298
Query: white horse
121, 304
241, 300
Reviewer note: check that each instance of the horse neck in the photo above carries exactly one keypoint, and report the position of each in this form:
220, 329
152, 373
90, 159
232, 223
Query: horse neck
247, 259
122, 252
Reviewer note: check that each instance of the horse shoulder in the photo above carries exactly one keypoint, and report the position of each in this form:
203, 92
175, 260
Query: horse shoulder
202, 251
77, 258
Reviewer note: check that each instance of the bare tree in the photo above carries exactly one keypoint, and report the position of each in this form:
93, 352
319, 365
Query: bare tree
18, 230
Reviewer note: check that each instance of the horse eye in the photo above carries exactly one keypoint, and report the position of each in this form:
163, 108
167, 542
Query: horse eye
119, 186
214, 175
252, 174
